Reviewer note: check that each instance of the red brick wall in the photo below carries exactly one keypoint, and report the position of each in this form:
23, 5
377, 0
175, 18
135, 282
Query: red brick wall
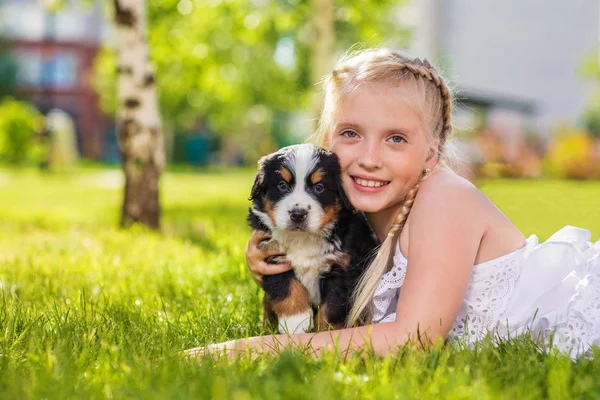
80, 99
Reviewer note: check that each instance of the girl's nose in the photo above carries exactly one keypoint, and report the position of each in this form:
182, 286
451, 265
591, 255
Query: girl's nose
370, 157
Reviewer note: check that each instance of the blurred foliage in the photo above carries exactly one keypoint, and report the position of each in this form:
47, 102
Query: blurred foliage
571, 155
8, 71
20, 122
591, 120
591, 115
238, 62
589, 69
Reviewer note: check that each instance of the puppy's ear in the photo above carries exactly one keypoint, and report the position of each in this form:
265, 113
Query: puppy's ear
259, 181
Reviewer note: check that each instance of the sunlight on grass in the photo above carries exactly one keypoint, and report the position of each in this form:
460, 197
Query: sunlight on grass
87, 310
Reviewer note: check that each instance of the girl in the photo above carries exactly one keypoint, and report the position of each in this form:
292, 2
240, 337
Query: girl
450, 264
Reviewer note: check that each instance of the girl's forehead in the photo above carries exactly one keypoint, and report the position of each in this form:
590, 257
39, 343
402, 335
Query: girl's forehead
379, 97
406, 91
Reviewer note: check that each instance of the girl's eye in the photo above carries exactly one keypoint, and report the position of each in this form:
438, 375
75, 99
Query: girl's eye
319, 188
397, 139
350, 134
283, 186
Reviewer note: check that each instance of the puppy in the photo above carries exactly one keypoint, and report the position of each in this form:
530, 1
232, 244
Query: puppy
298, 200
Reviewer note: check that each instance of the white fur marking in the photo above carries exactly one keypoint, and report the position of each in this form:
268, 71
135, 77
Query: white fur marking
298, 323
301, 162
310, 255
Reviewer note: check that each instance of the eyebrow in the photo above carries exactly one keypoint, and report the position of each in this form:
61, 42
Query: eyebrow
347, 125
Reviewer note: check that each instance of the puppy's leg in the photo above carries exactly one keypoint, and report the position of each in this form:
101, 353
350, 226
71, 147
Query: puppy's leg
335, 300
270, 318
288, 299
295, 312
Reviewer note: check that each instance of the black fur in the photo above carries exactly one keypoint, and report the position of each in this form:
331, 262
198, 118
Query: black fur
338, 285
350, 230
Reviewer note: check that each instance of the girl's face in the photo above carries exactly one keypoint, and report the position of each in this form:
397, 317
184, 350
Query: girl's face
380, 137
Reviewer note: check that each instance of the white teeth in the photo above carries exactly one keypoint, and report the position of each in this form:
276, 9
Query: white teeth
364, 182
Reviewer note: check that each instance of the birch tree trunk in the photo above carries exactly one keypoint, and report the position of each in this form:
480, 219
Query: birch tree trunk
139, 125
323, 21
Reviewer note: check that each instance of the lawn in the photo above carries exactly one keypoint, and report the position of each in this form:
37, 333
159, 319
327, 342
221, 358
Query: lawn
89, 311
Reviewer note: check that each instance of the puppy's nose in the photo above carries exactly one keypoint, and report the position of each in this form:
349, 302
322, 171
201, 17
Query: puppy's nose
298, 214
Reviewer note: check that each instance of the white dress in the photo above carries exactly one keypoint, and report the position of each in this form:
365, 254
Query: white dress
548, 290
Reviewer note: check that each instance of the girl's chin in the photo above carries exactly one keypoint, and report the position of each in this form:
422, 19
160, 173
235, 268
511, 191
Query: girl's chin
367, 206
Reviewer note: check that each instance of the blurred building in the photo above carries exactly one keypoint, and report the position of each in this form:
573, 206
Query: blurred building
512, 60
55, 54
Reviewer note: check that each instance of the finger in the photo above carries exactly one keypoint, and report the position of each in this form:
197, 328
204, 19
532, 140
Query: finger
272, 269
256, 252
257, 277
270, 253
195, 352
257, 237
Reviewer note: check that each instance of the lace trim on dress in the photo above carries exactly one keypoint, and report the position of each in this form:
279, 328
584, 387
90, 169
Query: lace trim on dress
581, 327
487, 296
388, 289
479, 312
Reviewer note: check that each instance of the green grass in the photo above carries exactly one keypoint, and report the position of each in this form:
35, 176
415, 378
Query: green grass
89, 311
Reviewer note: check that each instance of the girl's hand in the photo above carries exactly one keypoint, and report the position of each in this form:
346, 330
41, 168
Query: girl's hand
229, 349
264, 257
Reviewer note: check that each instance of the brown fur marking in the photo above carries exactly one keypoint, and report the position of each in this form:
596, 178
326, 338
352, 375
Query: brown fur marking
270, 209
330, 214
270, 319
342, 260
296, 303
322, 323
317, 176
286, 174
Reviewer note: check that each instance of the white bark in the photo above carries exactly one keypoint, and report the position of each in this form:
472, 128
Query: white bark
136, 83
323, 12
140, 129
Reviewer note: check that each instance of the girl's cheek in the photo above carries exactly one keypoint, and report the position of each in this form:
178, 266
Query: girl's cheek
344, 157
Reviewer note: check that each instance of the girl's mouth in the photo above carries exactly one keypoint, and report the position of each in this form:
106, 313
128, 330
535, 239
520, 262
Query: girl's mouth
369, 183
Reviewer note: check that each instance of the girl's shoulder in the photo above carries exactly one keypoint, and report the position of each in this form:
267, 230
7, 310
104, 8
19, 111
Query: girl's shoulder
447, 196
445, 188
445, 193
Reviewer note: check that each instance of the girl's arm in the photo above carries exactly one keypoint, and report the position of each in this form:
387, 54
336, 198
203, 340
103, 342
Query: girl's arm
447, 223
446, 226
380, 337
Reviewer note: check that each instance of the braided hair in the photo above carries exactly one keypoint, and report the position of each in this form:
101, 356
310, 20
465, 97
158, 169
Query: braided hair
395, 68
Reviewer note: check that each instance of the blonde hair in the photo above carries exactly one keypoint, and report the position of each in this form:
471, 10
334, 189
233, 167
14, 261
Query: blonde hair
394, 68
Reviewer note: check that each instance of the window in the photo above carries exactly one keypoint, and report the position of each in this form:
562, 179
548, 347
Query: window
58, 70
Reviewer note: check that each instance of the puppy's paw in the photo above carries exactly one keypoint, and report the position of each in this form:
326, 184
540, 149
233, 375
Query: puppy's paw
298, 323
268, 245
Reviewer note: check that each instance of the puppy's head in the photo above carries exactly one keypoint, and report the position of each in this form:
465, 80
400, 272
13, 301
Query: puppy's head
299, 188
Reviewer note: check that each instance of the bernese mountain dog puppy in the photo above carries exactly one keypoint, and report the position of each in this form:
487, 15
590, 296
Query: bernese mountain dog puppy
298, 200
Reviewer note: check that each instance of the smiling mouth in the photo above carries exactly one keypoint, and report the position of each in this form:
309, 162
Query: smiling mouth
369, 183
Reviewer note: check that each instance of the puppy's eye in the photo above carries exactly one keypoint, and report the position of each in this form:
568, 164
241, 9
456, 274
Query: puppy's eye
283, 186
319, 188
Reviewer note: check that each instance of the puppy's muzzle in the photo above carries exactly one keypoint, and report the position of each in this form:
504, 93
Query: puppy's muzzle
298, 215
